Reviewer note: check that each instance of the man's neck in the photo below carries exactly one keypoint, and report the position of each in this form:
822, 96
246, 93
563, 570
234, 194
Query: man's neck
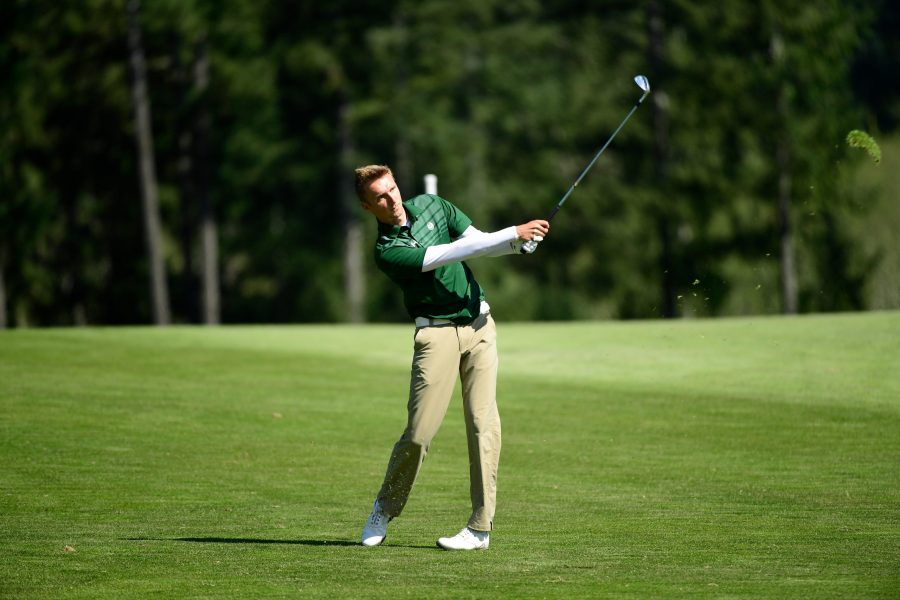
399, 221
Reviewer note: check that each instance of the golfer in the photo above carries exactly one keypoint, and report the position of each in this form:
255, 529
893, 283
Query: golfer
421, 245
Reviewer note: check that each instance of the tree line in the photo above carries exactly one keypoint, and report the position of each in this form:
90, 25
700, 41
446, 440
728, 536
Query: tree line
188, 161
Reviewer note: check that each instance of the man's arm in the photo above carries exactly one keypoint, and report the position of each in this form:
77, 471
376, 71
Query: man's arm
474, 243
469, 246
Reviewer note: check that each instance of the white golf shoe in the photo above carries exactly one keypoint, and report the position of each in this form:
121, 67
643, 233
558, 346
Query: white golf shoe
375, 529
467, 539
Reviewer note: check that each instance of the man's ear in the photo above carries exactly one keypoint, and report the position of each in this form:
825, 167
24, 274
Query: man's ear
365, 206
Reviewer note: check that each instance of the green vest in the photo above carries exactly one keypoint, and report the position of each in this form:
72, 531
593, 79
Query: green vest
448, 292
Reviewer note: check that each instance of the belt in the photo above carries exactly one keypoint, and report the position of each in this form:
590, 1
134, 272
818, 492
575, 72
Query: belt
429, 322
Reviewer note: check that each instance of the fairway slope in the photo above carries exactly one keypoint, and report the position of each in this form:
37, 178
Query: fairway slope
725, 458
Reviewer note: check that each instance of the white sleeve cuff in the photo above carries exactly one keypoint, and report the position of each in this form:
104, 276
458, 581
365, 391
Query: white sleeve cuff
471, 244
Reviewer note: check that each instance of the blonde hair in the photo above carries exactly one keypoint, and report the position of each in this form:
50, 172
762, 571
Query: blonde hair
368, 174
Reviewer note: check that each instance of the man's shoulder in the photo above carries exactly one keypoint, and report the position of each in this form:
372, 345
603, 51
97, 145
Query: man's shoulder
425, 200
399, 255
394, 237
386, 241
430, 207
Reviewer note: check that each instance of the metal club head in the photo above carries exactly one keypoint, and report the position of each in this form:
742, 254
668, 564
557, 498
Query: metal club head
642, 82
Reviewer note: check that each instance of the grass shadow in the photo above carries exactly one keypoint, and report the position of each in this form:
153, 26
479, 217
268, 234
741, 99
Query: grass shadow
227, 540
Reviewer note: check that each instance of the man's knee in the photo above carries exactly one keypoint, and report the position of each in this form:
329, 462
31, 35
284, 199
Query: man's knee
414, 444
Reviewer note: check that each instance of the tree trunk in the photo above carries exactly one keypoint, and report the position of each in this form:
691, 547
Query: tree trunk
3, 322
783, 164
354, 274
785, 231
403, 167
660, 160
190, 290
209, 232
71, 285
144, 140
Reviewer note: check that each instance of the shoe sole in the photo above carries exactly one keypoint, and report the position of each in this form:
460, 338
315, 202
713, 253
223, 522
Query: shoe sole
459, 549
373, 545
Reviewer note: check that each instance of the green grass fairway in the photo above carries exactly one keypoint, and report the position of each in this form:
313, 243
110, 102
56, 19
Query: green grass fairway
750, 458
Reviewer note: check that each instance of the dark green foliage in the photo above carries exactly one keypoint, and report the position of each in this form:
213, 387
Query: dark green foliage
505, 101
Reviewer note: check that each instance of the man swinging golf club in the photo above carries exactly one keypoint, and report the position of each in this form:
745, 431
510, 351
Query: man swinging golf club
421, 245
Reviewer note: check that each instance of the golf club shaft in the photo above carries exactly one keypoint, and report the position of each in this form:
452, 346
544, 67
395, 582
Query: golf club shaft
530, 246
596, 156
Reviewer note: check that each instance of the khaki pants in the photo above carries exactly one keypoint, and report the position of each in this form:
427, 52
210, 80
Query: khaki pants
440, 353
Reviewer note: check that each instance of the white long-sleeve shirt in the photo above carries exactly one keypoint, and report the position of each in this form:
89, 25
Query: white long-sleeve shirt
472, 244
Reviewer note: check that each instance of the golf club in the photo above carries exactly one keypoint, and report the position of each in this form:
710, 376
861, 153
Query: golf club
643, 83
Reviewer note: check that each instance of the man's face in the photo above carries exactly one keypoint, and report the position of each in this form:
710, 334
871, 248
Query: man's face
383, 200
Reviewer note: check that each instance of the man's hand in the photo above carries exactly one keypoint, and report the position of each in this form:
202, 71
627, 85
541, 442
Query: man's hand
532, 233
528, 231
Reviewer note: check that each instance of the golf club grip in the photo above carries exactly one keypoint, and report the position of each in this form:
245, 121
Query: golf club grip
528, 247
533, 245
